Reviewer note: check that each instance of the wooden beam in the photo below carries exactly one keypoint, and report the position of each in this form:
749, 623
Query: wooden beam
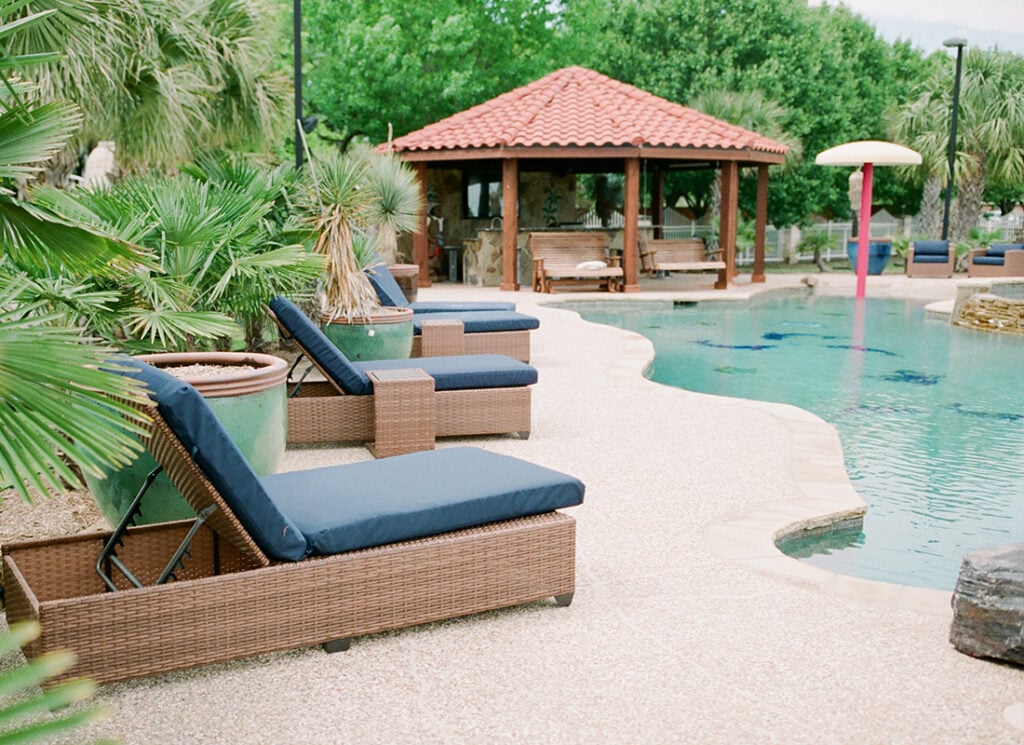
727, 223
760, 223
419, 238
630, 232
591, 152
509, 223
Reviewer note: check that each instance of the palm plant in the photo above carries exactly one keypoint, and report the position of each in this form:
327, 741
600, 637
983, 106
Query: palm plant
140, 69
990, 139
57, 404
20, 720
218, 249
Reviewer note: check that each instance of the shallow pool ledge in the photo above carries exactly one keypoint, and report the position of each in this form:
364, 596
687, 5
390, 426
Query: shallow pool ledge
825, 496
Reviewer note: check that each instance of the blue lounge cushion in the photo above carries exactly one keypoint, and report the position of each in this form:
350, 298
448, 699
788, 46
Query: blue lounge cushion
931, 248
201, 434
479, 322
930, 259
462, 372
420, 307
390, 293
372, 503
345, 375
1000, 249
988, 260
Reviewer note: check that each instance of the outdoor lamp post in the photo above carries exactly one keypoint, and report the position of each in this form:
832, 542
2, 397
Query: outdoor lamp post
959, 43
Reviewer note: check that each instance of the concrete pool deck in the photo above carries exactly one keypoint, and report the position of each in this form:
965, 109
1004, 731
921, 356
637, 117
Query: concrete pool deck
687, 626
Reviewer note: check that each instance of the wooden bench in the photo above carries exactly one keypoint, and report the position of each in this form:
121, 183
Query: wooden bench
678, 255
557, 256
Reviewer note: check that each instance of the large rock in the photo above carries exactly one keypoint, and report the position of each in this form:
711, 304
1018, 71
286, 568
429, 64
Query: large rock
988, 604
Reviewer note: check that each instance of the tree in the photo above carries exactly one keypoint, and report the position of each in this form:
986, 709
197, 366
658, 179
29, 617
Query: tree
825, 66
990, 130
374, 63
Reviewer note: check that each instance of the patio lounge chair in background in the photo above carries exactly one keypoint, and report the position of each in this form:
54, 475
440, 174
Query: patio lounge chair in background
998, 260
291, 559
930, 259
488, 327
467, 394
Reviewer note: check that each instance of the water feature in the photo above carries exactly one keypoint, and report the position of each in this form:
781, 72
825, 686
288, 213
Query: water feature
931, 416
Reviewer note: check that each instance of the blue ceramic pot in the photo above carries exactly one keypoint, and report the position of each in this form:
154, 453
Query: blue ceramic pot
878, 255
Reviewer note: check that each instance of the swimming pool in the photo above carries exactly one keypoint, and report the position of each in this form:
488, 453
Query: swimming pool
931, 416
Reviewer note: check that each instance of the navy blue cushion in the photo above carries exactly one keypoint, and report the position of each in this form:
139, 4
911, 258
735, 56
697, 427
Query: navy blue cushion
931, 248
372, 503
929, 259
989, 260
388, 291
481, 321
335, 364
201, 434
468, 306
1000, 249
461, 372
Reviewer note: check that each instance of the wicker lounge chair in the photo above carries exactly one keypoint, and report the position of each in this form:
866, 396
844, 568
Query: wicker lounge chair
930, 259
292, 559
489, 327
375, 400
998, 260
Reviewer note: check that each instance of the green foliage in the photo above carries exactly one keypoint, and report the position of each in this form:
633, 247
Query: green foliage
370, 63
56, 401
219, 248
26, 716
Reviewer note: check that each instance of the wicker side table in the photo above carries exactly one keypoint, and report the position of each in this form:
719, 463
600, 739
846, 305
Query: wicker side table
403, 411
443, 338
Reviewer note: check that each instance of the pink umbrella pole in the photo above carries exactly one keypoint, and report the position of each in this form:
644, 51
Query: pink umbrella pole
864, 239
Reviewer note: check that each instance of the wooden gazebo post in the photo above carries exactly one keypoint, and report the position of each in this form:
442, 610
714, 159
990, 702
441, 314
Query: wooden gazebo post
630, 232
419, 238
727, 222
509, 223
760, 223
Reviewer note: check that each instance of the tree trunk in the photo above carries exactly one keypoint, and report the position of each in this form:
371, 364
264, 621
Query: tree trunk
930, 220
969, 199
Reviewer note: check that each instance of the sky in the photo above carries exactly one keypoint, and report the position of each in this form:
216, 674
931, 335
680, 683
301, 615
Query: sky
926, 23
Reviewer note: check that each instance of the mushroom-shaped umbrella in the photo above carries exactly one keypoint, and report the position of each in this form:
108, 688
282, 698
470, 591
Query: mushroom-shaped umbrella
867, 153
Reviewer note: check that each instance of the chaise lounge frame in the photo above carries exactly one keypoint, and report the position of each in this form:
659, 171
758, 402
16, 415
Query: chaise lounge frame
320, 411
229, 601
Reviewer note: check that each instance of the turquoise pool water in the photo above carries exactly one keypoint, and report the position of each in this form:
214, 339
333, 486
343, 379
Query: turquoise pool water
931, 416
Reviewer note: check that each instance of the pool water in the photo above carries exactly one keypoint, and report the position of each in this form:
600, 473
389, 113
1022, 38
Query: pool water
931, 416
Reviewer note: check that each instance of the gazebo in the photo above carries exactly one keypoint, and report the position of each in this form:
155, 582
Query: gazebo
578, 120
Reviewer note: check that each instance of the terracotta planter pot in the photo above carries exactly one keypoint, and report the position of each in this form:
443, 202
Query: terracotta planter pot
247, 396
385, 335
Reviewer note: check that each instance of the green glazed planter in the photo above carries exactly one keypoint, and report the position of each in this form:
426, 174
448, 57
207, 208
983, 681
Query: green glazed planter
386, 335
251, 405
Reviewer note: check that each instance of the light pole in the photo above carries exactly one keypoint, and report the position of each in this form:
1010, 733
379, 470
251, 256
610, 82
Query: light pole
297, 53
959, 43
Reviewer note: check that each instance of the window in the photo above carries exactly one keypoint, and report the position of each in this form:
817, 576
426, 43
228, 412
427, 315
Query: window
481, 194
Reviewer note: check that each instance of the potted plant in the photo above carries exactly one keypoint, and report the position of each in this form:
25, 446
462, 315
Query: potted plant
359, 203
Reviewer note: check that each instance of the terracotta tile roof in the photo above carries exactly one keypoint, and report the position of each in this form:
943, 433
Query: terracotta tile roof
575, 106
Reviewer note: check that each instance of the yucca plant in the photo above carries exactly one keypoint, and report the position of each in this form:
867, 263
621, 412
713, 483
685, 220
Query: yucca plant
396, 205
26, 716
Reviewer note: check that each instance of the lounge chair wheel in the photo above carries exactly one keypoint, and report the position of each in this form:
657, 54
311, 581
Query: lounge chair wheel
525, 435
337, 645
564, 600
